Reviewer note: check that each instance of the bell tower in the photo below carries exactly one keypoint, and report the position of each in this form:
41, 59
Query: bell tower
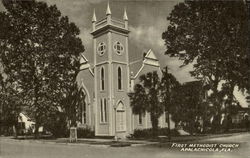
111, 71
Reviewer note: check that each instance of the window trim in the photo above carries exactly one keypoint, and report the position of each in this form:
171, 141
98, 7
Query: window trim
102, 78
119, 79
101, 52
115, 49
122, 112
103, 111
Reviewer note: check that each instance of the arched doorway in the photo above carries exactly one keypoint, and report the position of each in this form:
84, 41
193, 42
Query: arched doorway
120, 117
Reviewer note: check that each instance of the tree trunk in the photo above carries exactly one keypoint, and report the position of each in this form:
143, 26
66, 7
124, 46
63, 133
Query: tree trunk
217, 105
15, 128
37, 118
191, 127
169, 130
154, 121
37, 130
15, 131
227, 110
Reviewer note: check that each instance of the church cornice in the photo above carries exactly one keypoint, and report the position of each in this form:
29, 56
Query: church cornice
112, 62
109, 28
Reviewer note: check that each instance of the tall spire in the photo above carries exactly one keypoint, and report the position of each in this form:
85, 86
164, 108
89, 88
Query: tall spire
125, 17
108, 12
94, 17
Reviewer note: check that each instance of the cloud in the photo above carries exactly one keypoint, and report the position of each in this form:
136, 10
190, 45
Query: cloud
80, 12
1, 7
144, 37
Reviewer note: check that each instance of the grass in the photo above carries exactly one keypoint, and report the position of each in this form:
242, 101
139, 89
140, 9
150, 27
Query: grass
161, 140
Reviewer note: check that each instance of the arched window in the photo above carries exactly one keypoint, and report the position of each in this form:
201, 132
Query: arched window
83, 107
103, 111
119, 78
102, 78
84, 113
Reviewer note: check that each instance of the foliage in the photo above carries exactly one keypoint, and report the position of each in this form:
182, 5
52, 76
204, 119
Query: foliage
10, 106
189, 106
73, 103
39, 51
85, 132
167, 86
213, 35
145, 97
154, 95
57, 125
149, 133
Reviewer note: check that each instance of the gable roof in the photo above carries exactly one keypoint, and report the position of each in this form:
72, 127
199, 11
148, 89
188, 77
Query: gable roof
151, 59
84, 64
135, 66
83, 59
151, 55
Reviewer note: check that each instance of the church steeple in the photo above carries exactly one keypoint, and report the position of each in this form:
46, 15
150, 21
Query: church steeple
104, 24
111, 71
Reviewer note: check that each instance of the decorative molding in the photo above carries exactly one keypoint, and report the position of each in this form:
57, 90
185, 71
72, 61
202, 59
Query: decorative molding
152, 63
102, 63
108, 28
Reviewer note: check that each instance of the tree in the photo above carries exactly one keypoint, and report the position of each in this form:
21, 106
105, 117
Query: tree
10, 107
70, 113
167, 87
189, 107
40, 52
146, 98
74, 103
213, 35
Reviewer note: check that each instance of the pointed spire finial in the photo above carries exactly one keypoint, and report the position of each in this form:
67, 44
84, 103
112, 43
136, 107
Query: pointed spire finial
108, 12
125, 16
94, 17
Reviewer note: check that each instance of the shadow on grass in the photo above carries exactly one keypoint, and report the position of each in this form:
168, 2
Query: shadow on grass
32, 137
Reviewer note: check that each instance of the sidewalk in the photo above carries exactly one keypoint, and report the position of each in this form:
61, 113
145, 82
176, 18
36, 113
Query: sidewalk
121, 143
81, 141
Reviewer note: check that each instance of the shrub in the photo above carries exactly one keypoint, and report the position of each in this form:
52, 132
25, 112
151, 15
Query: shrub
85, 133
148, 133
57, 125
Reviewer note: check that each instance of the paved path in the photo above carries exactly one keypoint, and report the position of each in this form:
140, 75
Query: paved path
27, 149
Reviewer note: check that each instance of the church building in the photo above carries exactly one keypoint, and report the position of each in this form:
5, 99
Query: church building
107, 83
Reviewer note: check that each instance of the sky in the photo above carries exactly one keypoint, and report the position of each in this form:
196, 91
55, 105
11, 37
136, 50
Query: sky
147, 21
